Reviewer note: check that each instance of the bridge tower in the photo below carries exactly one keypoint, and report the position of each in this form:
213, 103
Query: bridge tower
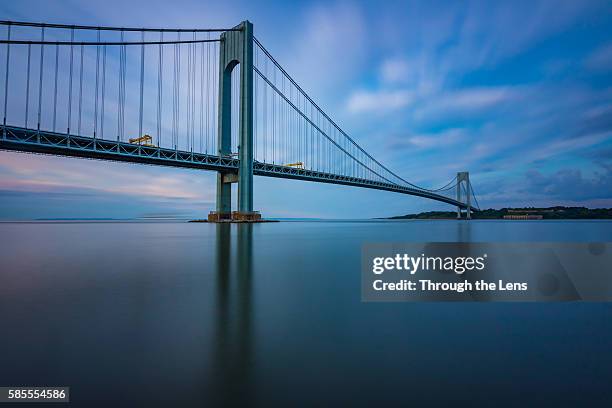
463, 181
236, 47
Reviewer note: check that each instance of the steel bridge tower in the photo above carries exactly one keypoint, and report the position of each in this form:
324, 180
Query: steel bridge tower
236, 47
463, 182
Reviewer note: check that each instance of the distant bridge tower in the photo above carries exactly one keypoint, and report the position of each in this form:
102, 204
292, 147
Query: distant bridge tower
463, 184
236, 47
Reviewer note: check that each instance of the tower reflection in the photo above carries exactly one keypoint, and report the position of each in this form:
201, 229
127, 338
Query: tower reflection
232, 352
464, 231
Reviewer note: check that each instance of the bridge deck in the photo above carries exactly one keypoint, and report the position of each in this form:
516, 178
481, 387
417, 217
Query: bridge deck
34, 141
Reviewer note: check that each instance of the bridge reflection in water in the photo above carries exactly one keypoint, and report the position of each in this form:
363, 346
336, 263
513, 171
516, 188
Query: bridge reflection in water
232, 349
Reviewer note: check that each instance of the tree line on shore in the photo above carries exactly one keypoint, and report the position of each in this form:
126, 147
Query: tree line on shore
548, 213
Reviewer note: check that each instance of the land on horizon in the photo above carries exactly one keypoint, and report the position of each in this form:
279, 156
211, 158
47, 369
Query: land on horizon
546, 213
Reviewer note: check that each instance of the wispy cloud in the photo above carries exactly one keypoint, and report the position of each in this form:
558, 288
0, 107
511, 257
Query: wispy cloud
29, 173
395, 70
378, 101
597, 186
424, 141
328, 45
468, 100
600, 59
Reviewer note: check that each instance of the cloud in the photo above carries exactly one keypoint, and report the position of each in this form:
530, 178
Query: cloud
477, 98
378, 101
600, 59
425, 141
467, 100
563, 146
330, 44
571, 184
35, 174
395, 70
492, 32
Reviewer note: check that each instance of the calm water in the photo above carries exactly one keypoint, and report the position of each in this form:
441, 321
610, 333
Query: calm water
182, 314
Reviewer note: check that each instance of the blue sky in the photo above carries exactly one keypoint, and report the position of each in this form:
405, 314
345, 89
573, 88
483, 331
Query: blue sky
518, 93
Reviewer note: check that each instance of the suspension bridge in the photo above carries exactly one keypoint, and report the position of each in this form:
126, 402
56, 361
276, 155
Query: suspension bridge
209, 99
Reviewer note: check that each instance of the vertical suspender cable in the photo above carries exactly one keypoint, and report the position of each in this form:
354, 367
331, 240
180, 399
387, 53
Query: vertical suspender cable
214, 109
274, 122
312, 165
120, 110
190, 80
142, 55
96, 91
122, 70
289, 142
177, 86
159, 90
40, 77
236, 113
194, 64
80, 92
55, 87
233, 111
207, 92
177, 90
123, 95
188, 139
103, 91
70, 81
285, 124
291, 125
174, 96
201, 95
194, 50
191, 92
298, 127
320, 156
265, 111
295, 129
119, 90
27, 99
6, 74
290, 118
300, 124
329, 150
178, 95
174, 77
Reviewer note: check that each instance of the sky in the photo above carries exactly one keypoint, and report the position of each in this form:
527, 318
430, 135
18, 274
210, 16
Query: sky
517, 93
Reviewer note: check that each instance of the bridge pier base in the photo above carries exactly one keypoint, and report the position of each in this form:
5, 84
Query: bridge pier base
235, 216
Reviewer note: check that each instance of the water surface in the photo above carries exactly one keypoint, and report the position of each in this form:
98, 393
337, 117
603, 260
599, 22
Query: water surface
184, 314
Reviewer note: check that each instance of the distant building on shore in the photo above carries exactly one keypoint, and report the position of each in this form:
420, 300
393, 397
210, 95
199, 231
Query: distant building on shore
523, 217
532, 210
